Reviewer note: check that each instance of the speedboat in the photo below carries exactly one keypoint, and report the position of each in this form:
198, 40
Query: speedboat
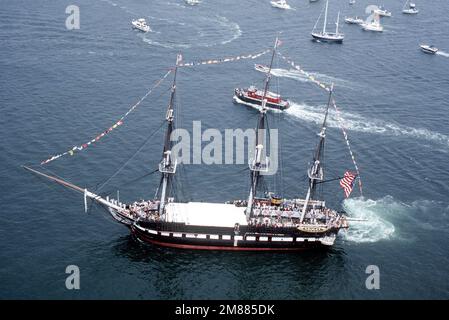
351, 2
261, 67
192, 2
354, 20
141, 25
281, 4
381, 11
428, 49
372, 26
411, 9
254, 97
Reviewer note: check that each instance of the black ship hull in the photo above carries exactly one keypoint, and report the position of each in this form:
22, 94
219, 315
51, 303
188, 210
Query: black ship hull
327, 39
248, 238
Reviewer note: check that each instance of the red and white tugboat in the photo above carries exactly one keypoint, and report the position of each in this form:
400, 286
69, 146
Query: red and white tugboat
254, 97
257, 98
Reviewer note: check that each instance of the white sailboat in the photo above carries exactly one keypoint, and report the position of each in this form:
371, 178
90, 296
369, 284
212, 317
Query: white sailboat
411, 8
324, 35
374, 25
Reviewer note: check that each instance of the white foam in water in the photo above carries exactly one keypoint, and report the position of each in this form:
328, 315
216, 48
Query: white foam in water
442, 53
356, 122
296, 75
376, 227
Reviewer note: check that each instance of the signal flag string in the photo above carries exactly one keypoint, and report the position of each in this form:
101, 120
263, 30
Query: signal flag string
339, 119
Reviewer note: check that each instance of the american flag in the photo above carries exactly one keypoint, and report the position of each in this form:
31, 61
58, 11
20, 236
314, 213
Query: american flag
347, 182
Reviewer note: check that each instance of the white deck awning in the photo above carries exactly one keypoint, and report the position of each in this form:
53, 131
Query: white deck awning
206, 214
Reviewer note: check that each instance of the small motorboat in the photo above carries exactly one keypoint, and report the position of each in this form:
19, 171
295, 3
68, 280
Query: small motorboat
372, 26
428, 49
381, 11
411, 8
351, 2
281, 4
192, 2
141, 25
253, 97
261, 67
354, 20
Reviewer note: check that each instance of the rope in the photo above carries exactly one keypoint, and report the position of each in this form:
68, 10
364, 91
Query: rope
132, 157
328, 89
345, 135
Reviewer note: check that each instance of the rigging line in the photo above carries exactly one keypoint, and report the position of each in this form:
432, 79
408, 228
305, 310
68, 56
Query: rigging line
129, 182
132, 157
334, 179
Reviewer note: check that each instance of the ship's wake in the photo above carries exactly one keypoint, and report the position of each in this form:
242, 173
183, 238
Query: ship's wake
442, 53
420, 216
185, 31
376, 227
355, 122
297, 75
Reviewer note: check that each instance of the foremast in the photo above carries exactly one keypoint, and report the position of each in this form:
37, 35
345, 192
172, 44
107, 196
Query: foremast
167, 166
316, 172
258, 164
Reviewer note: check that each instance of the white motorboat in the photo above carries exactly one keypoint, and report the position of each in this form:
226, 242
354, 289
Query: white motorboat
411, 8
141, 25
374, 25
354, 20
428, 49
281, 4
324, 35
381, 11
192, 2
351, 2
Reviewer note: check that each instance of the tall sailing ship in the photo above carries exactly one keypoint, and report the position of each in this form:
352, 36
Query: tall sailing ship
261, 222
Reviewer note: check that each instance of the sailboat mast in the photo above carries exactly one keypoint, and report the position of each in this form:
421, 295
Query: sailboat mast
257, 165
338, 21
168, 165
325, 17
315, 173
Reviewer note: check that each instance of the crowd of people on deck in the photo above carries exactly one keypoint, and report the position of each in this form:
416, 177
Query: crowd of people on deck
144, 209
288, 214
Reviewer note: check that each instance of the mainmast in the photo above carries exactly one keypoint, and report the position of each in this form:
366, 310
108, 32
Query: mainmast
315, 172
257, 165
167, 167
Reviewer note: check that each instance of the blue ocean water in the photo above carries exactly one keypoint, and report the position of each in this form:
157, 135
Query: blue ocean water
60, 88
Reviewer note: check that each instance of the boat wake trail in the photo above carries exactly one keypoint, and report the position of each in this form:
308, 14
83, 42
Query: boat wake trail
442, 53
358, 123
423, 214
175, 29
296, 75
203, 32
376, 227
